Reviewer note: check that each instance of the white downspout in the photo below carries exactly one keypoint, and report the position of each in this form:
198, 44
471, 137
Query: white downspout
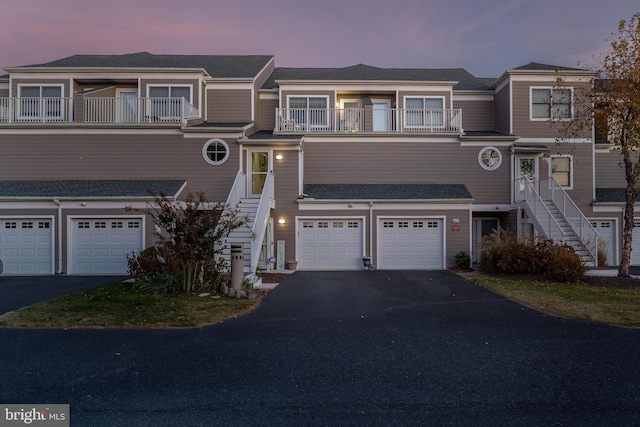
371, 231
57, 202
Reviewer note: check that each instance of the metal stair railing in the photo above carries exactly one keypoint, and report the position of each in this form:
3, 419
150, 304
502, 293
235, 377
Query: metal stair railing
537, 211
551, 190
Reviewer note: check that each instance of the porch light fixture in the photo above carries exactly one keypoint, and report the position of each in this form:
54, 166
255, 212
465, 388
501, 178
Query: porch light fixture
282, 221
279, 157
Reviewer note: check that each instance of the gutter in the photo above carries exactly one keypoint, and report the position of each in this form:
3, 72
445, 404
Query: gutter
56, 200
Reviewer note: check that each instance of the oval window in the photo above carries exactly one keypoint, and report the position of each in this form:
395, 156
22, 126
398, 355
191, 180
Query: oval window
490, 158
215, 151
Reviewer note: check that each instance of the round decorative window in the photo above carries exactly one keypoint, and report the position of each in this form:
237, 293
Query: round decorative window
215, 151
490, 158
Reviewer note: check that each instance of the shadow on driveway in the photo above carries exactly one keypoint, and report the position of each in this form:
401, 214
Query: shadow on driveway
21, 291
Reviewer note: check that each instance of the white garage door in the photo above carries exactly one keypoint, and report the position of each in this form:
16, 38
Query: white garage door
100, 246
607, 239
26, 245
330, 244
635, 243
410, 243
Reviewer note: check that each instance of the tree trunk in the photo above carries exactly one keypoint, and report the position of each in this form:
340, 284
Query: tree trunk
627, 231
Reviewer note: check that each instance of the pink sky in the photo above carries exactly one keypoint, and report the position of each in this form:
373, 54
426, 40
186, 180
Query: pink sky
485, 37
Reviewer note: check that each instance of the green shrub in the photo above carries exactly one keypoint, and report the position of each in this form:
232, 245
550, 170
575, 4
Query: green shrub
504, 253
463, 260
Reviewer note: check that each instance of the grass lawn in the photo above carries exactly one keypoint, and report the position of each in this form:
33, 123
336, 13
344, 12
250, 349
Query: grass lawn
617, 307
116, 306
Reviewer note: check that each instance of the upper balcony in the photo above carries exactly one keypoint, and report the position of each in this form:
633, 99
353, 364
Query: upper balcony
363, 120
96, 110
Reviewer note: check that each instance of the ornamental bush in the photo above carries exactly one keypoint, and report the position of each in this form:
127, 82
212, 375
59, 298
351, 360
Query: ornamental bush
502, 252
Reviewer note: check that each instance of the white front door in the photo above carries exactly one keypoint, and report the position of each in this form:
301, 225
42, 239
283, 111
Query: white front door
258, 167
381, 115
482, 227
526, 169
126, 105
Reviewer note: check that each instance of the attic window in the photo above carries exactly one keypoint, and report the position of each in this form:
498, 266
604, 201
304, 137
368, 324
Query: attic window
215, 151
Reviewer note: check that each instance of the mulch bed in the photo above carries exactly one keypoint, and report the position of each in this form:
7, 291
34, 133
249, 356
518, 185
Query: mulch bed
273, 277
613, 282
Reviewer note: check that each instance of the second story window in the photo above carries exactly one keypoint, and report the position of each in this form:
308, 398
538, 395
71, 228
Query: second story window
548, 103
40, 102
423, 112
308, 111
168, 104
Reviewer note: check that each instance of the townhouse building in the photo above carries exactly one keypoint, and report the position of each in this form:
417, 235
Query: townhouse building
336, 167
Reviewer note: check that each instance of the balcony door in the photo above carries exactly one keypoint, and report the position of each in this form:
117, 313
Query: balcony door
127, 105
258, 166
381, 115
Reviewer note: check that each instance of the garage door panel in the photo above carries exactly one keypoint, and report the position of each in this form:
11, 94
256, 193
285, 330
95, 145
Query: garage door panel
100, 246
330, 244
409, 244
26, 246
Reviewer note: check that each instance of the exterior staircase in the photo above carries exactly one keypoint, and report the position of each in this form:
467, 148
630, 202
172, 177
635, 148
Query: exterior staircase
556, 217
258, 212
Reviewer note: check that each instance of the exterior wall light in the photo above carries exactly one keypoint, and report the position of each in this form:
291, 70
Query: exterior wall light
279, 157
282, 221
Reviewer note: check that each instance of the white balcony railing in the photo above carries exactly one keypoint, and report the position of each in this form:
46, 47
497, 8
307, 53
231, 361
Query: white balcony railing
310, 120
96, 110
138, 110
36, 110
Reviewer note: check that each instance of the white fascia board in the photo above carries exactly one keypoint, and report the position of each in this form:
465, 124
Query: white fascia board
228, 84
609, 207
75, 130
551, 77
553, 140
380, 137
75, 203
483, 142
396, 205
491, 208
269, 95
367, 86
213, 133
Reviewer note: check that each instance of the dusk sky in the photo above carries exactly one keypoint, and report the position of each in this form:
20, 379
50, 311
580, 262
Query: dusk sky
485, 37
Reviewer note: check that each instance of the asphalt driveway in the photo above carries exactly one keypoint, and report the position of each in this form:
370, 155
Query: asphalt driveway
349, 348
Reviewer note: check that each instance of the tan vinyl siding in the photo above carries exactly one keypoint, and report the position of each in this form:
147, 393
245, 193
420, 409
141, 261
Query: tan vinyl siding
228, 105
503, 106
476, 115
331, 162
286, 180
97, 156
610, 170
4, 93
267, 114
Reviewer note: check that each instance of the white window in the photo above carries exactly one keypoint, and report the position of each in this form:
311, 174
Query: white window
549, 103
309, 111
490, 158
215, 151
168, 102
40, 102
423, 112
562, 170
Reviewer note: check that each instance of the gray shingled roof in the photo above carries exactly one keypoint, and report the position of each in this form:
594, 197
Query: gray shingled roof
217, 66
612, 195
361, 72
268, 134
534, 66
86, 188
387, 191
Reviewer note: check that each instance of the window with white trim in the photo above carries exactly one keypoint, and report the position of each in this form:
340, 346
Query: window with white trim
168, 102
562, 169
550, 103
40, 102
490, 158
308, 111
423, 112
215, 151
